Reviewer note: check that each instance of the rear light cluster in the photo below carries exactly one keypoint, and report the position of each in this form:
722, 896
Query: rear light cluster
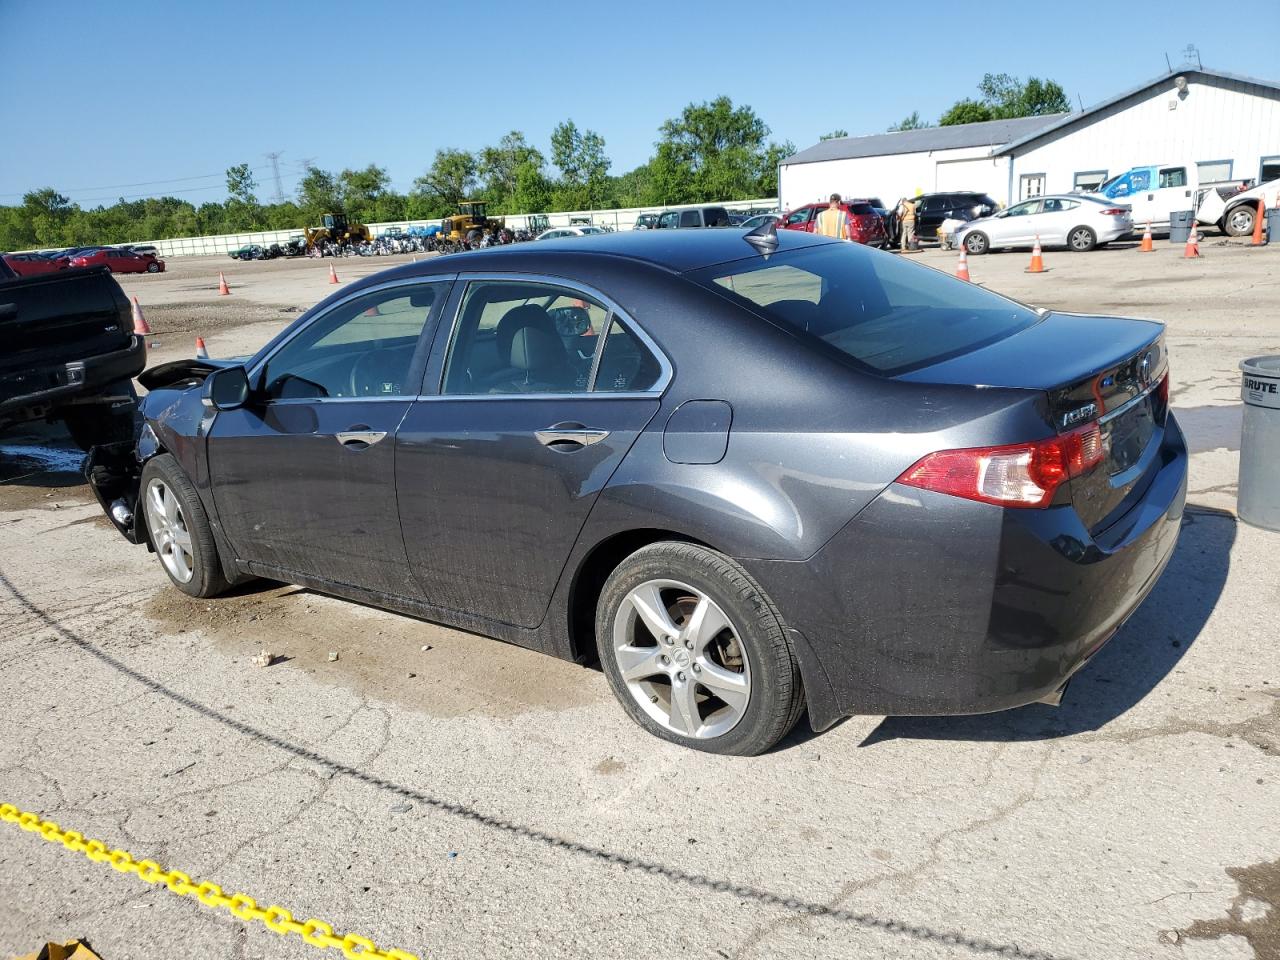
1013, 475
1115, 212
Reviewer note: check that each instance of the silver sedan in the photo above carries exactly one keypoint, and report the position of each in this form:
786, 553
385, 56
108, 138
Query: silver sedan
1068, 220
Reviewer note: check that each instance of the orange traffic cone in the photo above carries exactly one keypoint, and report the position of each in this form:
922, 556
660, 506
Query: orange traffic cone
1257, 222
140, 325
1192, 249
223, 289
333, 274
1147, 246
962, 266
1037, 258
202, 353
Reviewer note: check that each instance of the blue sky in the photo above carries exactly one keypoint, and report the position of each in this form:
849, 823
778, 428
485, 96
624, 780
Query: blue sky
98, 96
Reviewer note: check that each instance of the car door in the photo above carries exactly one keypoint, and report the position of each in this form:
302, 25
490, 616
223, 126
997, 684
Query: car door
1054, 220
1173, 192
1017, 226
798, 219
542, 386
303, 474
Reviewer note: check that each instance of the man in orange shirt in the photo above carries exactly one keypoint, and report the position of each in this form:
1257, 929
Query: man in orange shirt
833, 222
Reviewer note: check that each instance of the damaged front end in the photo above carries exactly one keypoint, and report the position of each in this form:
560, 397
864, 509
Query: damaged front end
114, 472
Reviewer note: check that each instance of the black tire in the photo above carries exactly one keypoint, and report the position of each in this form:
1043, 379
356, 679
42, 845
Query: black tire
976, 243
1081, 239
207, 579
153, 268
1238, 221
776, 694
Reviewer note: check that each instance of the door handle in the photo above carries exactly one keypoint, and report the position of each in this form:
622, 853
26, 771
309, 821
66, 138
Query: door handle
564, 433
359, 439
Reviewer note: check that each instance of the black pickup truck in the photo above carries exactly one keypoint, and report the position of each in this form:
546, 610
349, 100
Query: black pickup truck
68, 352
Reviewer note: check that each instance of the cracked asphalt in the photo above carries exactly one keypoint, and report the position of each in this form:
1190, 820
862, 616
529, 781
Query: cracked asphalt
472, 799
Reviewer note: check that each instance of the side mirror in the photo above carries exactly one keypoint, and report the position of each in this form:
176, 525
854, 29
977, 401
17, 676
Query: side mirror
226, 389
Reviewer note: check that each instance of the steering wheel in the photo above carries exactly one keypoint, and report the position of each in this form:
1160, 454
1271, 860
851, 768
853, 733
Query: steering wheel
379, 373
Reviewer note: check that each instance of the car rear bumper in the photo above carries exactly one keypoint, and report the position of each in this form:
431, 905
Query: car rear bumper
60, 384
926, 604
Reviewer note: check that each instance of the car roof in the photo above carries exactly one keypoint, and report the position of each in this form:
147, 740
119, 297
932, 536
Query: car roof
675, 250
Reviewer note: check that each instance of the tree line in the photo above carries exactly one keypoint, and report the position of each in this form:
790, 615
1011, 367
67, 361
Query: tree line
712, 151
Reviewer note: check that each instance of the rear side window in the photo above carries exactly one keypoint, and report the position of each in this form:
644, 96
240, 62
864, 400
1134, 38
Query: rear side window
690, 218
716, 217
887, 315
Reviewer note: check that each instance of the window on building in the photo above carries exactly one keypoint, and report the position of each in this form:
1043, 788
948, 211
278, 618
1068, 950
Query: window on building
1210, 171
1087, 181
1032, 185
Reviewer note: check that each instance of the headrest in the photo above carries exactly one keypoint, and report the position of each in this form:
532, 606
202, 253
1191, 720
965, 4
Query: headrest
534, 349
518, 318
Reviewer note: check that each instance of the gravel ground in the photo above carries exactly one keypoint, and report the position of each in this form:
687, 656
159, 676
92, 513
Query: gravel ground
457, 797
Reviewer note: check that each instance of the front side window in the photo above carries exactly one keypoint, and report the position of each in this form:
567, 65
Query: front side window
881, 313
521, 337
1173, 177
363, 347
1023, 209
669, 220
1139, 180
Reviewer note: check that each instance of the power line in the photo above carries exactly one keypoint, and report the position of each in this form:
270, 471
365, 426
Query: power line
144, 183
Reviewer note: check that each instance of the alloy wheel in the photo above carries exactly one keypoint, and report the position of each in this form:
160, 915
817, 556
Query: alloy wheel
682, 659
169, 531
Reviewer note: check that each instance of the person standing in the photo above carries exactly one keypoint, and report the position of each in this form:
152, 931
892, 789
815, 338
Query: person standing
906, 224
833, 222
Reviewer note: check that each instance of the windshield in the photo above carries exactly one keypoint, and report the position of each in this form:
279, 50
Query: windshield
888, 315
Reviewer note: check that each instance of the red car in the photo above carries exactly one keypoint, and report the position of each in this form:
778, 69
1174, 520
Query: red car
867, 225
120, 261
32, 264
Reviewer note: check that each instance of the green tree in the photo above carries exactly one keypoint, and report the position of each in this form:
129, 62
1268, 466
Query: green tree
532, 190
584, 169
241, 185
318, 194
498, 167
910, 122
967, 110
834, 135
716, 151
362, 192
450, 178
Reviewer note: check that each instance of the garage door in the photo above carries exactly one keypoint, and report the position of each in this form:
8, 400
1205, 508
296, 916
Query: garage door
979, 174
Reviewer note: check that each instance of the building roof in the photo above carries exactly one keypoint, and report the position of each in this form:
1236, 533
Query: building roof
1190, 72
991, 133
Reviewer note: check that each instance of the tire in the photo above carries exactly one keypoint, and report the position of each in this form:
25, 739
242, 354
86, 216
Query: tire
976, 243
153, 268
183, 540
1238, 221
1082, 239
749, 659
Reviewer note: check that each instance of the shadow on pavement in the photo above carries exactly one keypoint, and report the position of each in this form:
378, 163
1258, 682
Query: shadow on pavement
1211, 427
1129, 667
698, 882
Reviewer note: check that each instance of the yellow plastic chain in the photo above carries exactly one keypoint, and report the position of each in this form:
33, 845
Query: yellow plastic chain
315, 932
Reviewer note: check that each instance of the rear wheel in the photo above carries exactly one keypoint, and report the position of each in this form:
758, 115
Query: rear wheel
1239, 220
976, 243
695, 651
179, 529
1082, 239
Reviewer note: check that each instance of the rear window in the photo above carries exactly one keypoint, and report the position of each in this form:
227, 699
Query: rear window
886, 314
862, 209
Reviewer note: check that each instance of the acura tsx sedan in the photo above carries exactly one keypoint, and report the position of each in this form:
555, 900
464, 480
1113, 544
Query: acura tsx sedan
753, 474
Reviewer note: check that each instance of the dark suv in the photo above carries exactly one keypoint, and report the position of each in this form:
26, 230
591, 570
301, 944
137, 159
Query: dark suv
693, 217
933, 208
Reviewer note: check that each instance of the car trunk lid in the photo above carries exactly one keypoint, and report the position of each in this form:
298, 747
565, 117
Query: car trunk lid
1102, 370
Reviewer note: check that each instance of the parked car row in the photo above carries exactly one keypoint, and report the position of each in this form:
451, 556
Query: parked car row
128, 259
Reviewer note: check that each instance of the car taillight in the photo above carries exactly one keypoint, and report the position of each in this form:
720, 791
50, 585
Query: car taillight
1162, 391
1115, 211
1013, 475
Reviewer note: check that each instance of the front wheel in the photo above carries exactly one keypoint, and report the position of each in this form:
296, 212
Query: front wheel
976, 243
1082, 239
179, 529
695, 651
153, 268
1239, 220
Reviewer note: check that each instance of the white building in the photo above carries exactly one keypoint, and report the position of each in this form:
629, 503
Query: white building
1225, 125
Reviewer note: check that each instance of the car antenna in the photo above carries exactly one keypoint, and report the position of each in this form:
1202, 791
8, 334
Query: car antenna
764, 238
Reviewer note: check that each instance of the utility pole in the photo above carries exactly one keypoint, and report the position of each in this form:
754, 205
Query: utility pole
275, 172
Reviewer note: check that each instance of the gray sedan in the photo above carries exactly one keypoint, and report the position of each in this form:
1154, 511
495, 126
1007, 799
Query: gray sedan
1067, 220
754, 475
